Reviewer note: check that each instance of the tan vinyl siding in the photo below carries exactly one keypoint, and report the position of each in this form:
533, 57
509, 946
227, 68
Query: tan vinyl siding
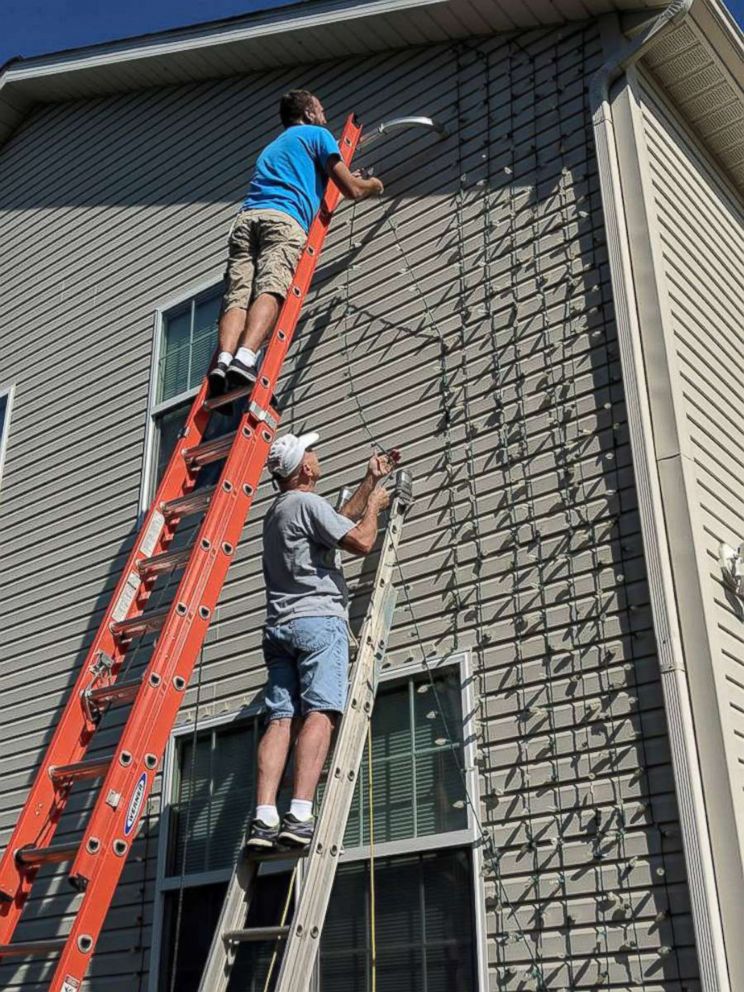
523, 545
701, 225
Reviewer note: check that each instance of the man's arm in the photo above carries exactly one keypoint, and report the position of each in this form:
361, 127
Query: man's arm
351, 183
378, 467
361, 539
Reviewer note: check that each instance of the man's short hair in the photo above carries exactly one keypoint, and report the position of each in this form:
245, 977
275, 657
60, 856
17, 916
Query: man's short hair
293, 105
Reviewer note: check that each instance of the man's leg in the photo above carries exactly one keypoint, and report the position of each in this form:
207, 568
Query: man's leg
278, 243
273, 752
232, 325
239, 276
283, 711
322, 646
259, 321
311, 752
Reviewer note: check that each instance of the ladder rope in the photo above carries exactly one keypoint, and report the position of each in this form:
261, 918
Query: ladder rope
282, 922
372, 892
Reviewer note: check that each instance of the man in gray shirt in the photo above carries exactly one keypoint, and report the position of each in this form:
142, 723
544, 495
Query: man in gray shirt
306, 643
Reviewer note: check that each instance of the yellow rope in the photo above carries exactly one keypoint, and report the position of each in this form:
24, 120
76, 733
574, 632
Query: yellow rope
372, 906
275, 952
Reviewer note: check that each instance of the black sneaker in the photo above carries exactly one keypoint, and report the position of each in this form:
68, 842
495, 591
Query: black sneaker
239, 374
262, 837
296, 833
217, 380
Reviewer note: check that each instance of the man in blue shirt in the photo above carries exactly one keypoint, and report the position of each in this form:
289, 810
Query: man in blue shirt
271, 229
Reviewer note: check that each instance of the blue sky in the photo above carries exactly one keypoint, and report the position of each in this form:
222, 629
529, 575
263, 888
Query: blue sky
31, 27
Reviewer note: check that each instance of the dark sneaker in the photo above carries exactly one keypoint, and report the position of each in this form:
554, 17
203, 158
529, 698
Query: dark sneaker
296, 833
262, 836
217, 380
239, 374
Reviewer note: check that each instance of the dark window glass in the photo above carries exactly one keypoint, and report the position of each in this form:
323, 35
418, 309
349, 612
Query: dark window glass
423, 917
199, 912
424, 926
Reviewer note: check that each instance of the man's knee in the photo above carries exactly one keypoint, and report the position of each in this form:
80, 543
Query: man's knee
322, 718
280, 725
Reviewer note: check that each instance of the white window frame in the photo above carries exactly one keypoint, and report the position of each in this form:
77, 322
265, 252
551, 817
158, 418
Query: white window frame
155, 409
468, 837
9, 392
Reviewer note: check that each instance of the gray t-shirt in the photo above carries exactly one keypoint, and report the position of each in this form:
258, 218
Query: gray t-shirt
301, 561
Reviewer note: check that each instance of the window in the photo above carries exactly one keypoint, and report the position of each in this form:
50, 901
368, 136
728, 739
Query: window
186, 336
424, 873
6, 400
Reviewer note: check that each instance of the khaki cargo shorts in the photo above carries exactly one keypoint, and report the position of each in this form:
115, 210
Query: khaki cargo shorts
263, 250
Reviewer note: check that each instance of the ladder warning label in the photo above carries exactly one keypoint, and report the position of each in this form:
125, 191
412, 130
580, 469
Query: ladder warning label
70, 984
126, 598
151, 535
135, 805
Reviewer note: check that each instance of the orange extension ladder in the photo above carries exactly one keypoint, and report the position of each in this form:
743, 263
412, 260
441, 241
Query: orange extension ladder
98, 860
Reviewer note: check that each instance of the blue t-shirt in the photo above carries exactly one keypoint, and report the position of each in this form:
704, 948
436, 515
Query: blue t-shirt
291, 173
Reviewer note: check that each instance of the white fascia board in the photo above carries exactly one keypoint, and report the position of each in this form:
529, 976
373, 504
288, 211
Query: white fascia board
724, 38
317, 15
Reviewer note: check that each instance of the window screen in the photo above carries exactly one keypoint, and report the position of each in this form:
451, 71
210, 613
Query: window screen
188, 341
214, 797
417, 787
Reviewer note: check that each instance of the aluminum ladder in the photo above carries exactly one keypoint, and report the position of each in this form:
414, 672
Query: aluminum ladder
97, 861
302, 936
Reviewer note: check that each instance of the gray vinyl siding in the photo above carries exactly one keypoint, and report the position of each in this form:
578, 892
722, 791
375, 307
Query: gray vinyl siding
700, 230
524, 543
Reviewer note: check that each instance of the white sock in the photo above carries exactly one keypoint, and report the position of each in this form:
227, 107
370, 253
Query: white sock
247, 357
301, 809
268, 815
225, 357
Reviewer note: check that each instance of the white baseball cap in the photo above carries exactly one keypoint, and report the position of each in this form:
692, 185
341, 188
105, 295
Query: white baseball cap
285, 454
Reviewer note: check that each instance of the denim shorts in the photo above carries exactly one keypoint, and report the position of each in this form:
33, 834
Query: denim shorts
308, 664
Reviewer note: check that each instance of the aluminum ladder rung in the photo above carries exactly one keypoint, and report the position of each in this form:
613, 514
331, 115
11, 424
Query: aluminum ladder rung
210, 451
193, 502
54, 854
253, 934
79, 770
142, 624
234, 394
168, 561
117, 692
276, 854
32, 948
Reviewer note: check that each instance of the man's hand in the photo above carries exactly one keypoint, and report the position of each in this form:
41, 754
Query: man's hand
352, 184
381, 465
372, 182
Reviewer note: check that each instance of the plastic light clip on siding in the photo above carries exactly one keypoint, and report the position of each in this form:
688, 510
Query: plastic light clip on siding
466, 318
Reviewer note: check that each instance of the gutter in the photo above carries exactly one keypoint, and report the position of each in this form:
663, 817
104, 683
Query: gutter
706, 914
